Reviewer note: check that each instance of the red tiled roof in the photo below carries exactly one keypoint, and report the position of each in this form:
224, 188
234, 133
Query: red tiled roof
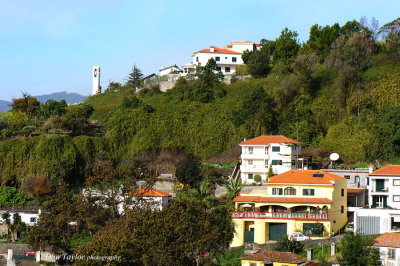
217, 50
275, 256
354, 190
246, 198
257, 45
388, 240
149, 192
265, 140
304, 177
387, 170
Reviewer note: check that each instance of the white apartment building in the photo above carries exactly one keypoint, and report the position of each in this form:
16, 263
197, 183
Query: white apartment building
259, 153
384, 187
383, 211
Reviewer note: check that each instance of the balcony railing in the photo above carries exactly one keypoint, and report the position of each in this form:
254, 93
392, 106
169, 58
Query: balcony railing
280, 215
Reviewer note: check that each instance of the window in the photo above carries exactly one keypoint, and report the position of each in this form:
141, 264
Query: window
293, 163
342, 192
396, 182
290, 191
227, 69
217, 58
218, 68
308, 192
253, 264
250, 162
233, 59
33, 219
347, 176
342, 209
250, 176
396, 198
391, 254
276, 162
250, 150
276, 191
276, 148
197, 59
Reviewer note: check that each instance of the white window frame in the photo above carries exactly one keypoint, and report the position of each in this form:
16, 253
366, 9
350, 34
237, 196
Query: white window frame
396, 198
251, 150
391, 253
250, 162
396, 182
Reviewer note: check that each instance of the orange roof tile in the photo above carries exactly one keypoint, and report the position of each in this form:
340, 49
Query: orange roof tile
388, 240
275, 256
149, 192
217, 50
304, 177
354, 190
265, 140
387, 170
246, 198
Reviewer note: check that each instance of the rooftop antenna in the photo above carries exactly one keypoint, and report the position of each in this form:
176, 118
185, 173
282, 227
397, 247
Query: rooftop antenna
333, 157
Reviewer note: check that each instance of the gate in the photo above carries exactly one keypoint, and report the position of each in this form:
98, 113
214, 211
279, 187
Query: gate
277, 231
249, 236
368, 225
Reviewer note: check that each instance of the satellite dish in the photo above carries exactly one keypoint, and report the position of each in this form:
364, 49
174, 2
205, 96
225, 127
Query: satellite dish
334, 157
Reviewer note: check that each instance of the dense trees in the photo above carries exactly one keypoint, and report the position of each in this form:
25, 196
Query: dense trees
181, 234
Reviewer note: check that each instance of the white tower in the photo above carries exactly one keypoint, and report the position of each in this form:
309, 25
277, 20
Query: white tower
96, 80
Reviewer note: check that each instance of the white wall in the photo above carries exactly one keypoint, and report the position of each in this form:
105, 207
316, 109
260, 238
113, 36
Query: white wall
225, 60
384, 257
392, 190
384, 214
25, 217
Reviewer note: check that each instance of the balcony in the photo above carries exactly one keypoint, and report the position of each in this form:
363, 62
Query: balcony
281, 215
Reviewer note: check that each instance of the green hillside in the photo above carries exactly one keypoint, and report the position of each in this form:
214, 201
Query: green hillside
338, 92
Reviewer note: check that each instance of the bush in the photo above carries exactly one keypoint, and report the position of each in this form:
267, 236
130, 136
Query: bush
288, 245
257, 178
10, 196
3, 123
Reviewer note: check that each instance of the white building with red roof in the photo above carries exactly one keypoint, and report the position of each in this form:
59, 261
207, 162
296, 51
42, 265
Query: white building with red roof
382, 214
152, 196
389, 248
227, 58
279, 152
384, 187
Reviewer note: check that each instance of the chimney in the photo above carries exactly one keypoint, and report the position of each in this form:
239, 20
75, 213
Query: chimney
371, 168
244, 139
212, 49
309, 254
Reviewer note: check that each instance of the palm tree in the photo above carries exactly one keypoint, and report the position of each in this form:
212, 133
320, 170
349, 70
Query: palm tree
234, 187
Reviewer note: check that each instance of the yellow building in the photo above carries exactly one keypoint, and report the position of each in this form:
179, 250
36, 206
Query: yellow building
309, 201
273, 258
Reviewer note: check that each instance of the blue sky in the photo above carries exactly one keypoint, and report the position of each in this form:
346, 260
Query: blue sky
50, 46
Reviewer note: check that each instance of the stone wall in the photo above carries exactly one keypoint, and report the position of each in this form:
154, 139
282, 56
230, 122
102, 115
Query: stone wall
221, 190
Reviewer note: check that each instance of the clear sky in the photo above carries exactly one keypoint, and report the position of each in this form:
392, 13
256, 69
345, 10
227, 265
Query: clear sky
51, 46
